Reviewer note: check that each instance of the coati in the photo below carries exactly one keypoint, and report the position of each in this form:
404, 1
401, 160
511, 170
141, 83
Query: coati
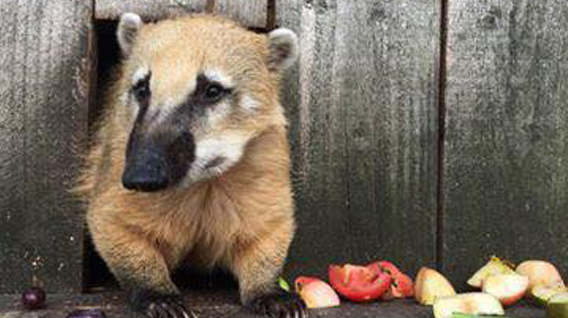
190, 166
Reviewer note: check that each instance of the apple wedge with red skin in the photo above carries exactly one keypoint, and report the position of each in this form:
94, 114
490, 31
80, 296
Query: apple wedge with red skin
359, 283
316, 293
540, 273
429, 285
508, 288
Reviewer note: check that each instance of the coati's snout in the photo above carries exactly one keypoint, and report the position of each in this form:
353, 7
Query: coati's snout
158, 163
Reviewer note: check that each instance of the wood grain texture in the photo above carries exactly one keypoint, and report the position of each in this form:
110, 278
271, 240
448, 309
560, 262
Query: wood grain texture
363, 110
43, 123
251, 13
222, 304
506, 148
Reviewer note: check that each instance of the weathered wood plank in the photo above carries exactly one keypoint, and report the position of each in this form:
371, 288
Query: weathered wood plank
221, 304
249, 12
363, 112
43, 102
318, 143
506, 148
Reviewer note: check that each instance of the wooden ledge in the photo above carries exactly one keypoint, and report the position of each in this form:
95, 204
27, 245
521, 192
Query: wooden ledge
224, 303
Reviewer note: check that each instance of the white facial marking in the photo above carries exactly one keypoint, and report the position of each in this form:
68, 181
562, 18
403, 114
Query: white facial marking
217, 113
219, 77
224, 150
140, 74
249, 104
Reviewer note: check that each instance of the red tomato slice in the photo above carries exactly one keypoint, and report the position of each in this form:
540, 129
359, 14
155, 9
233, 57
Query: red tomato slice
386, 267
402, 285
359, 283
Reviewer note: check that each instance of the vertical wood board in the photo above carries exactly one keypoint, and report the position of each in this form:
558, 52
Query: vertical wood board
44, 87
505, 167
249, 12
363, 110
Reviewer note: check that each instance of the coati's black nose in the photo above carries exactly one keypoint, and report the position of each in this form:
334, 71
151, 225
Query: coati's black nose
146, 171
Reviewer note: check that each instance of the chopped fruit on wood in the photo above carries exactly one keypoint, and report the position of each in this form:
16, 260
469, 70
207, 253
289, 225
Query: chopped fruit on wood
508, 288
542, 293
359, 283
540, 273
558, 306
469, 303
431, 284
401, 285
494, 266
316, 293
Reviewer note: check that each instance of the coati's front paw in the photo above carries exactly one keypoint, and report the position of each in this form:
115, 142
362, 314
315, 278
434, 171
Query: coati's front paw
155, 305
280, 304
168, 308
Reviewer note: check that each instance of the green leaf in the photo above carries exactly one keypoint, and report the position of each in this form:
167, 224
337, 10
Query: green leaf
283, 284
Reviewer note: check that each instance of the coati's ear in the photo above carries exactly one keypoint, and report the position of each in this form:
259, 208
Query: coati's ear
127, 30
283, 46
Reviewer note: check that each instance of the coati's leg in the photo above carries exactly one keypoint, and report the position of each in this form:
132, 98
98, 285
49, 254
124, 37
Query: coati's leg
257, 268
140, 269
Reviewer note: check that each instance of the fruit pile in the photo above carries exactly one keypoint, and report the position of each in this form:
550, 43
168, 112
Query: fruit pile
500, 286
378, 280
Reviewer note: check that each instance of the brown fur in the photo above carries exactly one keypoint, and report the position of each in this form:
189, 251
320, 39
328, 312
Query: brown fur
242, 220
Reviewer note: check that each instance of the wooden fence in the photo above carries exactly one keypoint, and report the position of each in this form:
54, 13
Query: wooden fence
426, 132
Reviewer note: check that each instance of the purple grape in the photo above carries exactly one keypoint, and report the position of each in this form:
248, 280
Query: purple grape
34, 298
87, 313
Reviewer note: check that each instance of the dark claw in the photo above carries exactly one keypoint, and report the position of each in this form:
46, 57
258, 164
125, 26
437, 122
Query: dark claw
171, 310
168, 308
156, 311
279, 305
155, 305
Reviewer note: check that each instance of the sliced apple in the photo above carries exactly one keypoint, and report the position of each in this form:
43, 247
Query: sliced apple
316, 293
558, 306
469, 303
540, 273
542, 293
430, 284
493, 267
508, 288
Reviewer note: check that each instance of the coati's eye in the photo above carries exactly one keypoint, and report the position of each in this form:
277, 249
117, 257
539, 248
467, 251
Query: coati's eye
213, 93
141, 90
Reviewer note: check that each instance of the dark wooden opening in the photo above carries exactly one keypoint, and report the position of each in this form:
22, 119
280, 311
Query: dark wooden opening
96, 275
